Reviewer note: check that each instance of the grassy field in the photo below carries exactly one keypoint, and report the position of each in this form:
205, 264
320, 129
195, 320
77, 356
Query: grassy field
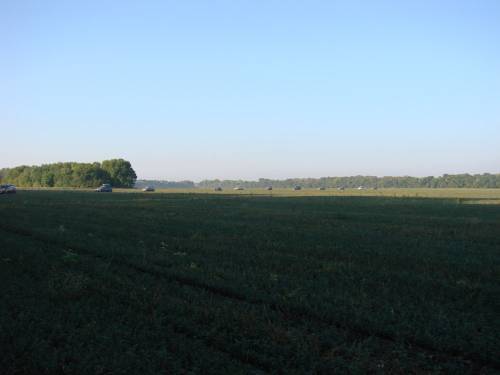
487, 196
384, 281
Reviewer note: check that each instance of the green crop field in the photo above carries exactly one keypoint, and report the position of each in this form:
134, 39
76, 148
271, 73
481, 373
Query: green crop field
310, 282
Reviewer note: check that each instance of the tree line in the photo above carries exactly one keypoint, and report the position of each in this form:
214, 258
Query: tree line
160, 184
485, 180
117, 172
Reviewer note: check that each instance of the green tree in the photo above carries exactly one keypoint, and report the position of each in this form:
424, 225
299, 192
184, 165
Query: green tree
70, 174
120, 172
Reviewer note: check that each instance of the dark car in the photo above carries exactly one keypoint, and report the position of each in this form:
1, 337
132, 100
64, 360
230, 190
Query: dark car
297, 187
218, 189
104, 188
148, 188
8, 189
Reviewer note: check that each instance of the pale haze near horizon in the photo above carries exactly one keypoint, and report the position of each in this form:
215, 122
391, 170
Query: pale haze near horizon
247, 89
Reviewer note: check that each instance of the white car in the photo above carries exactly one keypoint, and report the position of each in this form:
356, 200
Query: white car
8, 189
104, 188
148, 188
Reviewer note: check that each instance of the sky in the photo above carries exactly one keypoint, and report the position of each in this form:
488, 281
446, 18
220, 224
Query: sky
242, 89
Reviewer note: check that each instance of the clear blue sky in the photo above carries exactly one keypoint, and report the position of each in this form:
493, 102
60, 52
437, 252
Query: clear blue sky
247, 89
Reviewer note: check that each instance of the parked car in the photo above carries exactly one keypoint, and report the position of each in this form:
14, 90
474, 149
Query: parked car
8, 189
218, 189
269, 188
297, 187
148, 188
238, 188
322, 188
104, 188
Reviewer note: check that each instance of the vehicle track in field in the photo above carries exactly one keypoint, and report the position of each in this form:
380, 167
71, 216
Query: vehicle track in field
289, 312
256, 359
173, 325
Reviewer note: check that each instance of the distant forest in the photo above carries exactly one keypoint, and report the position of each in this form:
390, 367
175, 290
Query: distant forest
485, 180
117, 172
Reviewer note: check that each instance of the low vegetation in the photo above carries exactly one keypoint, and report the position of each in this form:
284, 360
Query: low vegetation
232, 283
160, 184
